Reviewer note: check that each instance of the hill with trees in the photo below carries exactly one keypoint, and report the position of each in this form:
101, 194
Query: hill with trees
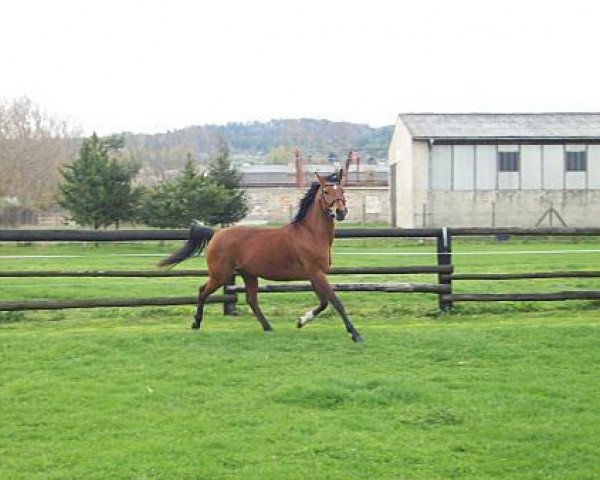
259, 142
36, 148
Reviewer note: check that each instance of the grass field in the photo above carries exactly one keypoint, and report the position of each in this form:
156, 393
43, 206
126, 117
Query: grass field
505, 390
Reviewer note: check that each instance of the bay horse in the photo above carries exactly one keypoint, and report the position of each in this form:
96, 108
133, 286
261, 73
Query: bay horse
300, 250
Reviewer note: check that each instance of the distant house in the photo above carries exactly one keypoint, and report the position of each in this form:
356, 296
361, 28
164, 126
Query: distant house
285, 175
274, 196
495, 169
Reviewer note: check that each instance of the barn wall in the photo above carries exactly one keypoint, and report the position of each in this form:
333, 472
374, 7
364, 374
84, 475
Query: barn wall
463, 167
403, 161
531, 167
542, 167
594, 166
553, 159
421, 154
485, 167
513, 208
441, 167
466, 188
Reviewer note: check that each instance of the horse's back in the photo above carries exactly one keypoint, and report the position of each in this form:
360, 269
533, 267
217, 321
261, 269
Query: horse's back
238, 237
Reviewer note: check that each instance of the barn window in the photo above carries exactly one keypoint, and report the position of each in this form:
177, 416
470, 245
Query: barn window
576, 161
508, 161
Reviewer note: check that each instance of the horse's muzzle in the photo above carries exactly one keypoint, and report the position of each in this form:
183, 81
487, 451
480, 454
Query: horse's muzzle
340, 215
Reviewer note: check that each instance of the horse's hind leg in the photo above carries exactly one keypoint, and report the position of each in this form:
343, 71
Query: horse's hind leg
203, 293
251, 283
311, 314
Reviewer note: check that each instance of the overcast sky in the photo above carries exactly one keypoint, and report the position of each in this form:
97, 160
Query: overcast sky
151, 66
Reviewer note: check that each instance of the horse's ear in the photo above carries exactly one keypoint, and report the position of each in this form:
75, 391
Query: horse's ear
320, 179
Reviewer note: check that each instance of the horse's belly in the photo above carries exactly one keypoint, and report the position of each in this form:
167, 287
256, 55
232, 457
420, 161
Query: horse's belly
283, 276
275, 266
275, 270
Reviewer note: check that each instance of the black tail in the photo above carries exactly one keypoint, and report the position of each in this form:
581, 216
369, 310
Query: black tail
199, 238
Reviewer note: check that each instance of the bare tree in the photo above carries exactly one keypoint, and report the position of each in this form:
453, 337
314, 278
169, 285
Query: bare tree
32, 147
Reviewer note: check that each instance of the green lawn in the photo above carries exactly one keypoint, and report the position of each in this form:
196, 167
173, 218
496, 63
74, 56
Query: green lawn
506, 390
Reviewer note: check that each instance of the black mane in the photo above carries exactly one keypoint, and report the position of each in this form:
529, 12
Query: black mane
309, 197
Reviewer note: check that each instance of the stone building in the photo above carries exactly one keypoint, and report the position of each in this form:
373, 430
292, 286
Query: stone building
484, 170
274, 196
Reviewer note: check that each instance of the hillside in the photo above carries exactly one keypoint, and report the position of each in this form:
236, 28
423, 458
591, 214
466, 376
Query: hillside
260, 142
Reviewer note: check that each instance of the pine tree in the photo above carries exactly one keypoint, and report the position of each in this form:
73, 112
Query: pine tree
97, 188
175, 203
162, 207
223, 174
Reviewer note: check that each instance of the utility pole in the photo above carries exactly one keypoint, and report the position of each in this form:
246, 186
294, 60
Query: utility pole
299, 165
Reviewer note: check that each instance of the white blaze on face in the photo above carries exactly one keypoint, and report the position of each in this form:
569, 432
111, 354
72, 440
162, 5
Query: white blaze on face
307, 317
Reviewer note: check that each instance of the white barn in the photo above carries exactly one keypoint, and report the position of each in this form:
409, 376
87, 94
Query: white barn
482, 170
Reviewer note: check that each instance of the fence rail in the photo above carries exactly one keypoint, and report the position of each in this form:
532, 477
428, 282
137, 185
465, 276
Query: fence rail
109, 302
444, 269
521, 297
160, 235
519, 276
351, 287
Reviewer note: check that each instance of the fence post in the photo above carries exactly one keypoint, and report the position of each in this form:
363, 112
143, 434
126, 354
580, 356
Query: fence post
229, 306
444, 257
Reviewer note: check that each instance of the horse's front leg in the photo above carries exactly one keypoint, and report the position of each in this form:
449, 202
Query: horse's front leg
323, 287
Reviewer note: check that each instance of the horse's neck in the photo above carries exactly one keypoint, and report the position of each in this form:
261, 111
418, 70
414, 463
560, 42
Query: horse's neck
319, 223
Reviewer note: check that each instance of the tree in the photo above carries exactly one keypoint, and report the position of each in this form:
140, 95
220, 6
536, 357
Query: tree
175, 203
214, 198
224, 175
162, 207
280, 155
33, 145
97, 187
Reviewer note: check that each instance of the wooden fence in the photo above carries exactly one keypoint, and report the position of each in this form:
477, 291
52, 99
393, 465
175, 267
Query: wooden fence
443, 269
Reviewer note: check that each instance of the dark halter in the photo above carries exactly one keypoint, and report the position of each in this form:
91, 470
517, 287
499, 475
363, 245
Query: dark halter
328, 206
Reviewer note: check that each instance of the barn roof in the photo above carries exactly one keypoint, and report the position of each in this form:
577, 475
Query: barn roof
505, 126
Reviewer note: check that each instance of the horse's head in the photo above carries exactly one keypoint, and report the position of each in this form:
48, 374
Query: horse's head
332, 199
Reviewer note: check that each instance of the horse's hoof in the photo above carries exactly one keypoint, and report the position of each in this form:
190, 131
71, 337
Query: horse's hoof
267, 327
195, 326
304, 319
357, 338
